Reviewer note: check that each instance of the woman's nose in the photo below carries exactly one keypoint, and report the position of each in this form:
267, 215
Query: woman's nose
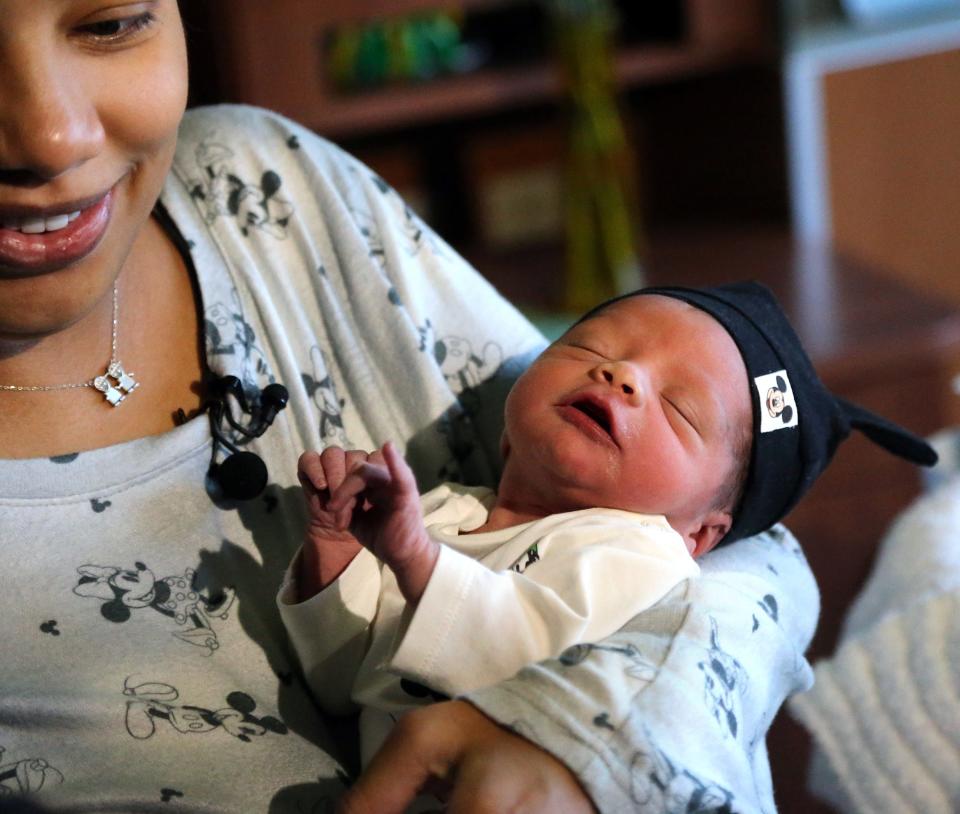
624, 377
48, 121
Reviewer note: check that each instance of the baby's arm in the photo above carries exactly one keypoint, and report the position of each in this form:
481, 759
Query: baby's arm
474, 626
330, 597
378, 502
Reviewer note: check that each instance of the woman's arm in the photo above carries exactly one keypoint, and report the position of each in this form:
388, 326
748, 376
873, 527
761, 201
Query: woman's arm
671, 712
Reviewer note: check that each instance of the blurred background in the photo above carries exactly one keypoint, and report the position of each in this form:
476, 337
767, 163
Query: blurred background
574, 148
471, 109
835, 116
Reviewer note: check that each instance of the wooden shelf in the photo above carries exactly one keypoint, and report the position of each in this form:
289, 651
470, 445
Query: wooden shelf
273, 56
491, 91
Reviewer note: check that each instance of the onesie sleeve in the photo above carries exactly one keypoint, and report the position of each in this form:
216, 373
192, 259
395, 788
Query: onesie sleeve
596, 573
330, 631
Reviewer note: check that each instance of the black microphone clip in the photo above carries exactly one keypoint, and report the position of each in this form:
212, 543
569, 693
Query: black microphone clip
242, 475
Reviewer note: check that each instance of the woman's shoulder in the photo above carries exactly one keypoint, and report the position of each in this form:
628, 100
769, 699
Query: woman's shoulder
243, 134
240, 120
241, 146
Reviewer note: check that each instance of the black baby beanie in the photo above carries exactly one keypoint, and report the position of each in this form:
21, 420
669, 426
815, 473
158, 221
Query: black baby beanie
797, 422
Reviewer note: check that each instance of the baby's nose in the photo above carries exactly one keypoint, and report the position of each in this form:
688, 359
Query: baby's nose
624, 377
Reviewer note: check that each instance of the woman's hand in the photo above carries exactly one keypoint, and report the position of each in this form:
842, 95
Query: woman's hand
455, 751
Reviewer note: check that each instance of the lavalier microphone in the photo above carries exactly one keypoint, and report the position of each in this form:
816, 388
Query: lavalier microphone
242, 475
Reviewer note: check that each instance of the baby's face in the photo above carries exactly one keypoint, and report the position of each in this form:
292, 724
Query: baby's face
637, 408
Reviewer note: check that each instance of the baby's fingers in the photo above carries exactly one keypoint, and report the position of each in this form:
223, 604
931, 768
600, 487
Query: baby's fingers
365, 477
333, 463
310, 472
376, 457
337, 463
404, 481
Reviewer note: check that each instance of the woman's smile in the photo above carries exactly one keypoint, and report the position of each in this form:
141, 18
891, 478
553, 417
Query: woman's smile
90, 104
43, 241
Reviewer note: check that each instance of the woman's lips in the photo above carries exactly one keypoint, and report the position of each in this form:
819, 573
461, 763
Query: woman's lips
25, 255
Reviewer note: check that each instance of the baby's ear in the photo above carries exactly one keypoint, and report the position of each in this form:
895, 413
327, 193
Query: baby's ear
713, 528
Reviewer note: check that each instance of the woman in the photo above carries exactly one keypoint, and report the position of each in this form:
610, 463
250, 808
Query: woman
144, 257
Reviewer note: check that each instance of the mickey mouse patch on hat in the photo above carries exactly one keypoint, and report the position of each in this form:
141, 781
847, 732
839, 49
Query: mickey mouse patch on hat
778, 407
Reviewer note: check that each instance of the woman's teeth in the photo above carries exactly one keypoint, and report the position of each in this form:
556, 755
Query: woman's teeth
37, 226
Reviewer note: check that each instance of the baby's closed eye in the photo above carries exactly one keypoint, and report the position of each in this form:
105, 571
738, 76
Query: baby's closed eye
683, 412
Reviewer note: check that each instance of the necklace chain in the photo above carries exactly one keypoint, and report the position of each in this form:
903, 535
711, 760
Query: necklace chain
114, 382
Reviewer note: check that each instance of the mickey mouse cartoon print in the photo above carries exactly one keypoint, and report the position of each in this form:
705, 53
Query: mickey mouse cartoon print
778, 405
153, 703
25, 776
122, 591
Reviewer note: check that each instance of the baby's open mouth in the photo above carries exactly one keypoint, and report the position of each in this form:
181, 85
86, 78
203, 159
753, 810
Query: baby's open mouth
596, 413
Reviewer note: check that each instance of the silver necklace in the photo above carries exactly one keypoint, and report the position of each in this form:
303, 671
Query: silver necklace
115, 383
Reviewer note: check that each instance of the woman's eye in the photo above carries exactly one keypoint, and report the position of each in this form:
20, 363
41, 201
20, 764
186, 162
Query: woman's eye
117, 30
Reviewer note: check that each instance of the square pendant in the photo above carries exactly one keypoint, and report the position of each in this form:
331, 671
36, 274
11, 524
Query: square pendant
110, 393
125, 381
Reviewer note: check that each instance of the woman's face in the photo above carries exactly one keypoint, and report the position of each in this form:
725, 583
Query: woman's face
91, 96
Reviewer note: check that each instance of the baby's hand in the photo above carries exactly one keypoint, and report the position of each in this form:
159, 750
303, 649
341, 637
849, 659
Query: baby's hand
380, 494
321, 474
329, 546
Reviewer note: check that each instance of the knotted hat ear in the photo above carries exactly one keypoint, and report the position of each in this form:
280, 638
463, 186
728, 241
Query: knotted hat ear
797, 423
888, 435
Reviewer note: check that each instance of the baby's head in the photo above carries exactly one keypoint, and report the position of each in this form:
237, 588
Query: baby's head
698, 404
